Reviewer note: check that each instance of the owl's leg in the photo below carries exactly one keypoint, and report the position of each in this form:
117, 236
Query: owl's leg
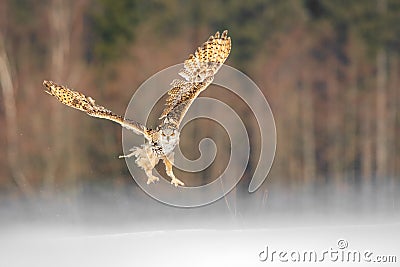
146, 160
168, 168
150, 177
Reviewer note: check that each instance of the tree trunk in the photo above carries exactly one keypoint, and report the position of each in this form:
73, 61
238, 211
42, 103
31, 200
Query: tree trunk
59, 20
307, 117
351, 123
396, 119
335, 154
10, 110
393, 115
381, 100
366, 140
381, 114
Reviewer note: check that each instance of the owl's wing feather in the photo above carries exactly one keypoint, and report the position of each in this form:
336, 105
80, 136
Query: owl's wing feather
87, 104
198, 72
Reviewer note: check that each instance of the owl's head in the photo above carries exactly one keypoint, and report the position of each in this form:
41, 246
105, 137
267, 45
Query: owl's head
168, 135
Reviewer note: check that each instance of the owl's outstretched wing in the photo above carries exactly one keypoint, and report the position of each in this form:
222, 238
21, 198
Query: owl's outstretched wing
87, 104
198, 72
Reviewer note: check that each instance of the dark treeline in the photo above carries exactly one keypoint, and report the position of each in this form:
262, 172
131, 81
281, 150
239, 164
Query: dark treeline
329, 69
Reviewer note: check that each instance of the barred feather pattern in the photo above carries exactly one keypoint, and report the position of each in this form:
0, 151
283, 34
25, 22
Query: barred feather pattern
87, 104
198, 72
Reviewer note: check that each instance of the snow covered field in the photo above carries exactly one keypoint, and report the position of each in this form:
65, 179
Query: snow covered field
289, 229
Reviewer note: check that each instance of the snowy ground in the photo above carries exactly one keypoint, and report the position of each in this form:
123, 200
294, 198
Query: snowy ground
103, 228
60, 247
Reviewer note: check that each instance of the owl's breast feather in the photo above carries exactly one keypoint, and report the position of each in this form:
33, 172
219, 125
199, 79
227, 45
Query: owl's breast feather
168, 147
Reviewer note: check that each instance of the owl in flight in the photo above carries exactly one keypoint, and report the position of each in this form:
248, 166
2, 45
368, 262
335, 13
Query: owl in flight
198, 73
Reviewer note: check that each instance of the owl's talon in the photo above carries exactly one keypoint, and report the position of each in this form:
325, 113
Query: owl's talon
177, 182
152, 179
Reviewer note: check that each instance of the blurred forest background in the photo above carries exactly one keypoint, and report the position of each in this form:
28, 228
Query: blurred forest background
329, 69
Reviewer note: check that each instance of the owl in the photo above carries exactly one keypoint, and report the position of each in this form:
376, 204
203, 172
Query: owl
198, 73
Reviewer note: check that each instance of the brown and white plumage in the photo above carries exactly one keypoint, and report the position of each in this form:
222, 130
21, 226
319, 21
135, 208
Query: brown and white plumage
87, 104
198, 73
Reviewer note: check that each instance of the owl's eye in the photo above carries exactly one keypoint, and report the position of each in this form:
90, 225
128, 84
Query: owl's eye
163, 134
172, 134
